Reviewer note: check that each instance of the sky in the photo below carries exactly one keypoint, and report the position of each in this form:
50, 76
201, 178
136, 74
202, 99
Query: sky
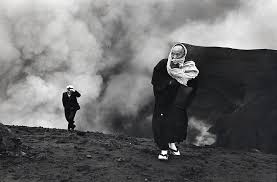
107, 49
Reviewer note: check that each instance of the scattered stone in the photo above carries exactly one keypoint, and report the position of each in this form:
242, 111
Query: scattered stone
121, 137
23, 153
148, 150
112, 145
42, 156
10, 170
255, 150
81, 133
83, 141
119, 159
89, 156
83, 168
8, 141
107, 154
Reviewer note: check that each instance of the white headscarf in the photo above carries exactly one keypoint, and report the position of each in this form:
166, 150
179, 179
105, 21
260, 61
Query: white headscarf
186, 70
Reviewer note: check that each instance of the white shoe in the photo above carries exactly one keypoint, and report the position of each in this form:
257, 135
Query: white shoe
163, 155
173, 149
175, 152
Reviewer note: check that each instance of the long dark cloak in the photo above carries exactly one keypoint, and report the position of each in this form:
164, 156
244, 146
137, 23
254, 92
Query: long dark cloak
170, 120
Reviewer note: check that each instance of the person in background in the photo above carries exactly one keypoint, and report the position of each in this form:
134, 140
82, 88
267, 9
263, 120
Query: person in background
174, 85
71, 105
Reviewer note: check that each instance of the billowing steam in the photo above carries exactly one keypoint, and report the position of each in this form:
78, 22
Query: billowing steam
247, 27
199, 134
107, 50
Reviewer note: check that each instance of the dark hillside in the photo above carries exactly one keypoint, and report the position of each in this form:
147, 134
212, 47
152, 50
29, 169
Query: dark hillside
59, 155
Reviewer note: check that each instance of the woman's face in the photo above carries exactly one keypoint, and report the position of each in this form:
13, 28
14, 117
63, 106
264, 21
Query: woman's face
177, 52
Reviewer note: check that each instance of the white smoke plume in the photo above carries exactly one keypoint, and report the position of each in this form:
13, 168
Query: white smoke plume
107, 50
199, 134
250, 26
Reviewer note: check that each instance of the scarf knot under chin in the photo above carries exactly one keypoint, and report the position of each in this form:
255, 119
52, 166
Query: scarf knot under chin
185, 72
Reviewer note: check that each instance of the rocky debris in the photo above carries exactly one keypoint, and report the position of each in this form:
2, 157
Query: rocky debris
89, 156
255, 150
8, 141
42, 156
108, 158
120, 159
111, 145
80, 133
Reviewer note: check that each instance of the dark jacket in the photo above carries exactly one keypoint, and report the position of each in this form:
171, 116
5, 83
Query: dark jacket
71, 102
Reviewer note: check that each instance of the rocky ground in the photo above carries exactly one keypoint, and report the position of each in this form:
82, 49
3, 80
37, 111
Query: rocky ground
59, 155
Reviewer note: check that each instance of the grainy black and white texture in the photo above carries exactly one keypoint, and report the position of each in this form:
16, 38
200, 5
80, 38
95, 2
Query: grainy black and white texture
110, 48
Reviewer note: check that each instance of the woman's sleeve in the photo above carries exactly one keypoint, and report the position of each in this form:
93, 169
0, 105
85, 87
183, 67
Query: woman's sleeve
159, 79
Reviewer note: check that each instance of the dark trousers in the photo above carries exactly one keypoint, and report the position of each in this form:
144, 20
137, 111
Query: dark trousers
69, 116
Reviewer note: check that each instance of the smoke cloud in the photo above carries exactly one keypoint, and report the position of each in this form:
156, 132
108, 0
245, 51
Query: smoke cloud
199, 134
249, 26
107, 49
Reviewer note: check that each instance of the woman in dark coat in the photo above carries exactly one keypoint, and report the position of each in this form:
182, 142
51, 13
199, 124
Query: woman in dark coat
174, 85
